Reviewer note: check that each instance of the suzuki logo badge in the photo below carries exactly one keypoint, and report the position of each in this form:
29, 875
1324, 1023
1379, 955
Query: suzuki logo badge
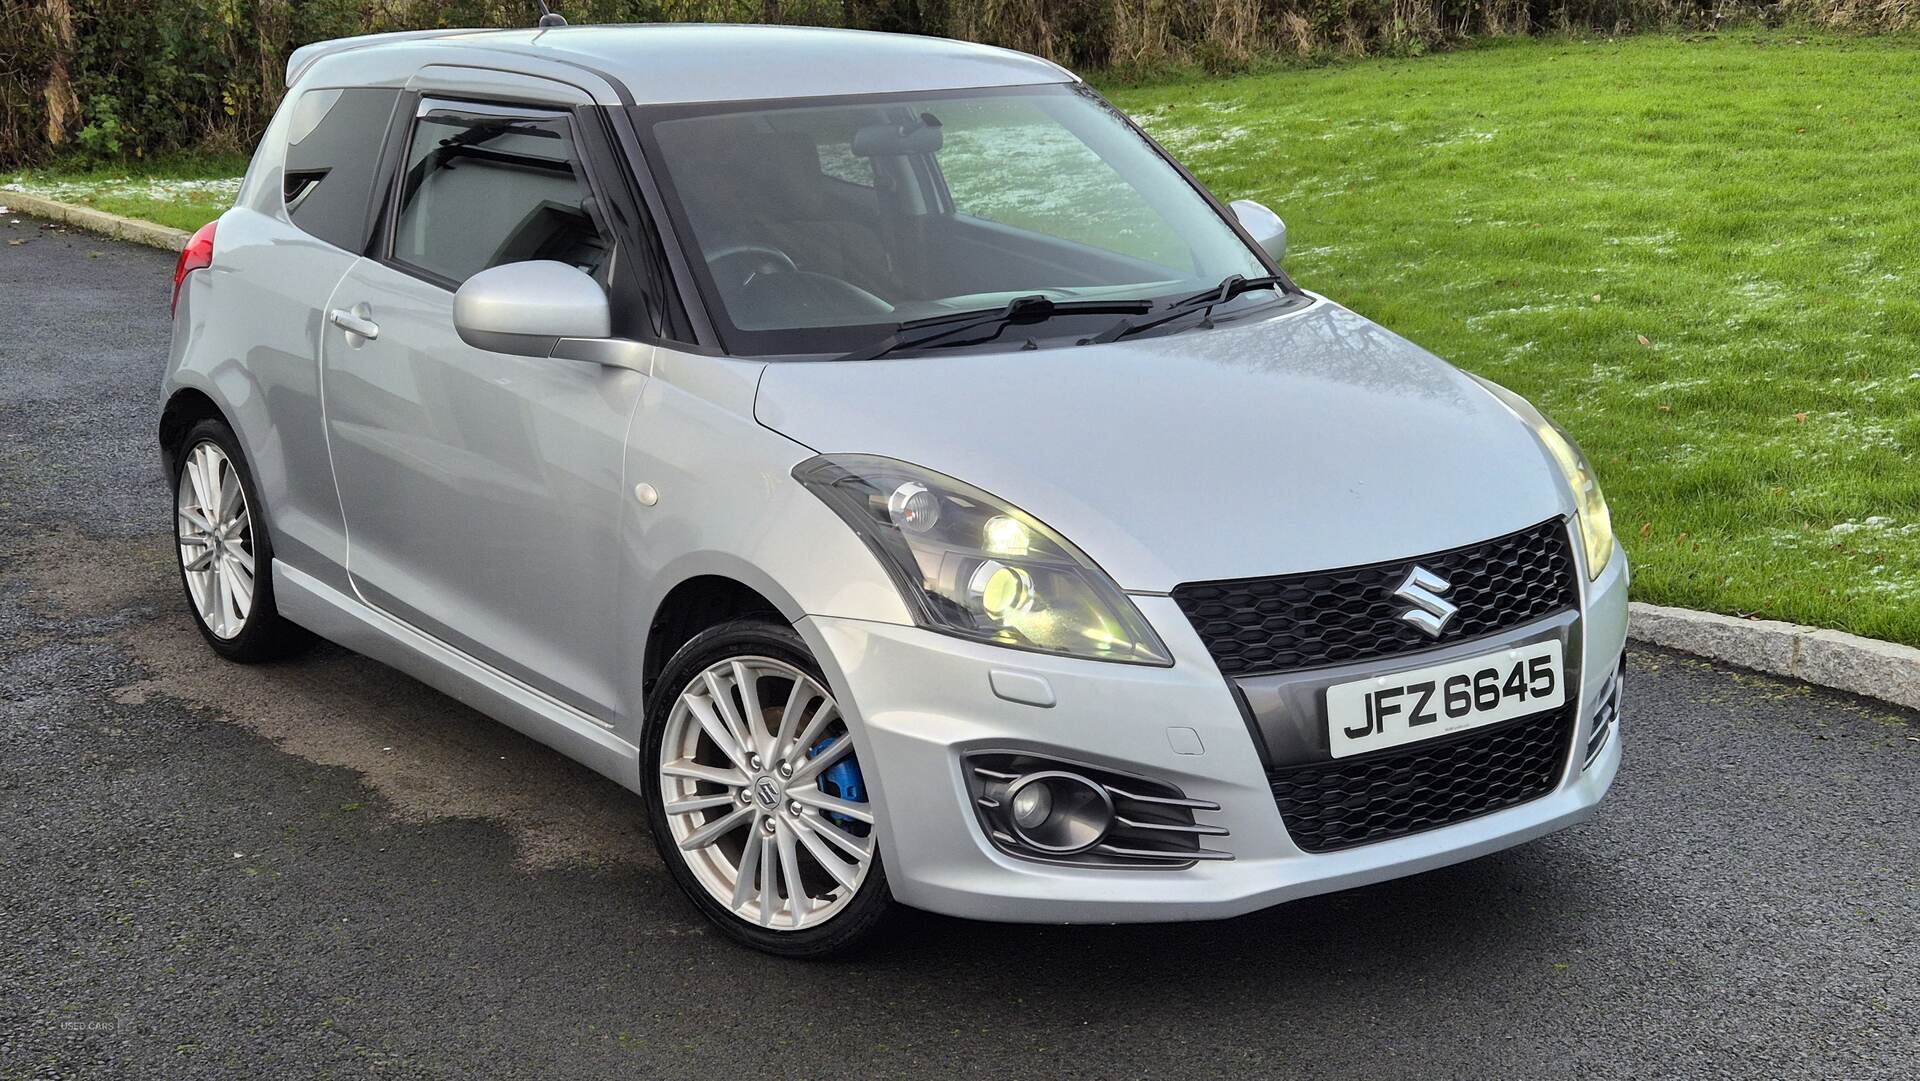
769, 795
1430, 611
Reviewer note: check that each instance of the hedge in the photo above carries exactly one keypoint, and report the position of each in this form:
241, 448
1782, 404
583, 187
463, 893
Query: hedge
120, 79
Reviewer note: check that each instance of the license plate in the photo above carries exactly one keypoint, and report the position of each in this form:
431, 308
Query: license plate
1407, 707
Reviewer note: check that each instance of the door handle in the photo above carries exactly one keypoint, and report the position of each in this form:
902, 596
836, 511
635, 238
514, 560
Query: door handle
353, 324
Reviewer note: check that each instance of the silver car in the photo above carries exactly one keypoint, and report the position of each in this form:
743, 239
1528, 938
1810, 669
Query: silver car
887, 461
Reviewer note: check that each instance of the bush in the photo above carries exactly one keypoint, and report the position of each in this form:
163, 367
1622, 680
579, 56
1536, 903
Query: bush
100, 138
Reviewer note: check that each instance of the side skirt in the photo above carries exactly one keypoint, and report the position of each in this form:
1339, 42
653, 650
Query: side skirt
337, 617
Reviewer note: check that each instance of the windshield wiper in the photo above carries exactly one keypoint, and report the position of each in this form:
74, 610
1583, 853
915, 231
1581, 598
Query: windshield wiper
1020, 311
1231, 287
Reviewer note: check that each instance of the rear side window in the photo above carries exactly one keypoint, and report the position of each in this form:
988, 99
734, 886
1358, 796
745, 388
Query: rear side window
333, 156
481, 191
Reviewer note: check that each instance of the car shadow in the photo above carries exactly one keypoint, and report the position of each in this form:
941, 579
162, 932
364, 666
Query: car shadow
1434, 915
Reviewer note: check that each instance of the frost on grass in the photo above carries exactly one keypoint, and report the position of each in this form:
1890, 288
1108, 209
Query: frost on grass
155, 189
1667, 388
1872, 522
1351, 127
1867, 390
1207, 139
1189, 139
1877, 555
1061, 188
1607, 374
1505, 314
1658, 243
1461, 138
1836, 437
1761, 290
1686, 454
1319, 188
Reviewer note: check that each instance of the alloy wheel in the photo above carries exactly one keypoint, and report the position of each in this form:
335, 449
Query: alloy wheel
215, 535
763, 793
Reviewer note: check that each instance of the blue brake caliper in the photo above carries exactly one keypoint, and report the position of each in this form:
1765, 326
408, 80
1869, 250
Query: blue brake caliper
840, 779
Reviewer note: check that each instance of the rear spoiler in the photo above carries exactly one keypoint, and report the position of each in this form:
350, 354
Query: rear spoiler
305, 55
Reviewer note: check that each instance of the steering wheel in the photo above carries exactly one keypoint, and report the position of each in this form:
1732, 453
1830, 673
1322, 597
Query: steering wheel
741, 263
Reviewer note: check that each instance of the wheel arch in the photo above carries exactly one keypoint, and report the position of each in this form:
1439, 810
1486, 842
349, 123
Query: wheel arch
185, 408
696, 604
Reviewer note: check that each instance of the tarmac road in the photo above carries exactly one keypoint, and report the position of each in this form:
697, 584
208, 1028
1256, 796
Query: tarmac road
323, 868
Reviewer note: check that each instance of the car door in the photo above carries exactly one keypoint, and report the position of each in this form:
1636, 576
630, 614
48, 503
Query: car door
481, 491
281, 254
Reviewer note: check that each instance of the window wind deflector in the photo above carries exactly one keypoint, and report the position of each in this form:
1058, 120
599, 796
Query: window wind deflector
1231, 287
469, 143
491, 129
1020, 311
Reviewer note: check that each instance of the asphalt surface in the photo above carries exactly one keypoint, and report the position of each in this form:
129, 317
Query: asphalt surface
323, 869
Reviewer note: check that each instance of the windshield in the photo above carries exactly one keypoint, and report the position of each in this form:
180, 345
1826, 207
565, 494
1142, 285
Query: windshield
816, 225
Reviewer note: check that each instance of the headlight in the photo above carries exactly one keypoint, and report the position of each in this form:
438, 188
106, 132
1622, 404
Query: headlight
970, 565
1596, 522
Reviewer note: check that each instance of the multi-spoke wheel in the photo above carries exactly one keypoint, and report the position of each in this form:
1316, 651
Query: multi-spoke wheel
216, 539
225, 557
758, 797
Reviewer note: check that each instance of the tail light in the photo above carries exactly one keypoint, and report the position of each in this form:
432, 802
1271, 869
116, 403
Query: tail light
196, 255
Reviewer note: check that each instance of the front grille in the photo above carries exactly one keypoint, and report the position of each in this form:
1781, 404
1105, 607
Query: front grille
1386, 794
1259, 626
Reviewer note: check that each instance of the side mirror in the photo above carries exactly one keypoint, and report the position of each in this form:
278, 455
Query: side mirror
541, 308
1263, 225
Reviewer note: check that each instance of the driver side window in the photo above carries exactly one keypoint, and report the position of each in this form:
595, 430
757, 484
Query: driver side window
482, 190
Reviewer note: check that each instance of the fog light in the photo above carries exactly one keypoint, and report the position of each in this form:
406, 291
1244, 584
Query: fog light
1042, 809
1032, 806
1068, 813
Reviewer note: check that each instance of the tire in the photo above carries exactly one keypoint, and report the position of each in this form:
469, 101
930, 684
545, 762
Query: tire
246, 632
799, 825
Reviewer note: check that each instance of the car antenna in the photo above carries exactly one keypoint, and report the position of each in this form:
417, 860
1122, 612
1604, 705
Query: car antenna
548, 16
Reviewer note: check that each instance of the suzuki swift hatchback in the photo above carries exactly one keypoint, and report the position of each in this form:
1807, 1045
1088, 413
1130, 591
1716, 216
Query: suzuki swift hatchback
885, 459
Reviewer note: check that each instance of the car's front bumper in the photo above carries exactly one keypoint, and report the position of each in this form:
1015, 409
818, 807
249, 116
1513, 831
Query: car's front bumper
921, 700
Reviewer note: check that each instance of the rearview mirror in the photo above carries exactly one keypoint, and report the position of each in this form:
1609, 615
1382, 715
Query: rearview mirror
1263, 225
924, 136
541, 308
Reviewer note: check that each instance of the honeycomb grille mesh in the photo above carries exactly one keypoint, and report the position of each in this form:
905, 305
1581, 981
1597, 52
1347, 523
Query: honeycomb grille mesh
1259, 626
1375, 797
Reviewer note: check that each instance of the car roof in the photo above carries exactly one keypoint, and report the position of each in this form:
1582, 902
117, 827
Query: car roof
686, 62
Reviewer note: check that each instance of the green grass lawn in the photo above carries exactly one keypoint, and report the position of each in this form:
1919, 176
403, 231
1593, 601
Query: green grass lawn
184, 192
1700, 255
